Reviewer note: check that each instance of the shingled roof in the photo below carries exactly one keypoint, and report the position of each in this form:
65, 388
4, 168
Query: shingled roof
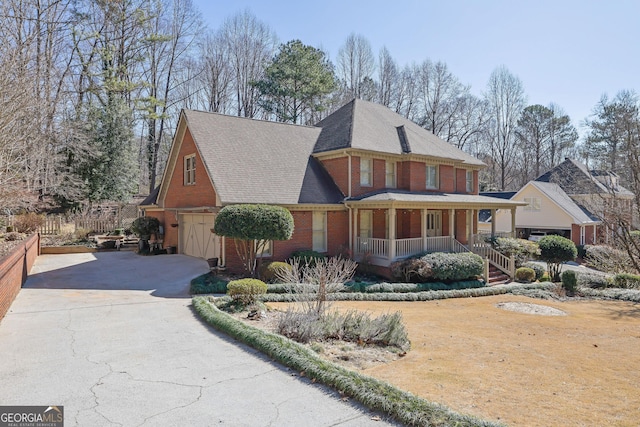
256, 161
374, 127
579, 213
575, 178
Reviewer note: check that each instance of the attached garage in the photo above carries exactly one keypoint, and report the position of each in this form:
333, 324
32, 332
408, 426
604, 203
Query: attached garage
196, 238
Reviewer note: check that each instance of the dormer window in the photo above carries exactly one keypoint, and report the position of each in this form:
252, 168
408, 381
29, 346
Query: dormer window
190, 169
365, 172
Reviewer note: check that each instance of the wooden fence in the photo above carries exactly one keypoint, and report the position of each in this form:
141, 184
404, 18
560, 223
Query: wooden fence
96, 225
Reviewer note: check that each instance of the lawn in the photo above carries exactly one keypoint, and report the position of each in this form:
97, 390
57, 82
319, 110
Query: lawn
522, 369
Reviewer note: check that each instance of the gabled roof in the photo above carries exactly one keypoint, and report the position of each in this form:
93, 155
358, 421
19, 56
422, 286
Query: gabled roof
432, 198
558, 196
575, 178
256, 161
373, 127
152, 198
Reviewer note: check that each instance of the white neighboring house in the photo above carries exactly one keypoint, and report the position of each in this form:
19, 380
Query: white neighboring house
549, 210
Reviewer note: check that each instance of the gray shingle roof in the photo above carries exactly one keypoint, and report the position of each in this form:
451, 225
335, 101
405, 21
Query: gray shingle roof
575, 178
579, 213
255, 161
373, 127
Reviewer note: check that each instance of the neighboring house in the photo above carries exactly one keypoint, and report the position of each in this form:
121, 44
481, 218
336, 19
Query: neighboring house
568, 200
364, 182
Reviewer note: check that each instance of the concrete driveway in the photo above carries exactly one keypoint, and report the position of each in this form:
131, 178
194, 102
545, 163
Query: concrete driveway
112, 337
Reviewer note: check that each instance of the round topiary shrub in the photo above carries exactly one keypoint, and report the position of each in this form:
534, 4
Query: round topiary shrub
556, 250
145, 226
525, 275
272, 271
569, 281
246, 291
537, 268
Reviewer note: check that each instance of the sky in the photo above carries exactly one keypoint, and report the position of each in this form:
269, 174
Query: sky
569, 52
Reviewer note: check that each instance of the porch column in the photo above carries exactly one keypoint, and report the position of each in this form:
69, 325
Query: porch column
356, 232
392, 233
423, 228
452, 224
493, 222
513, 222
469, 226
593, 238
351, 231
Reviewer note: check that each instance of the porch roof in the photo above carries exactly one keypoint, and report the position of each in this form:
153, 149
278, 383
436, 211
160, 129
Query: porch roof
407, 199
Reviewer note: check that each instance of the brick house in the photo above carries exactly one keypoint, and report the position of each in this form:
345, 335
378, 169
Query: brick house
364, 181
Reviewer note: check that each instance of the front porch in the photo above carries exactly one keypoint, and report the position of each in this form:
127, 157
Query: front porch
386, 251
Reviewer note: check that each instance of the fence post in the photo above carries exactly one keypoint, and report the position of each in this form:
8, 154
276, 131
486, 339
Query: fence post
512, 266
485, 261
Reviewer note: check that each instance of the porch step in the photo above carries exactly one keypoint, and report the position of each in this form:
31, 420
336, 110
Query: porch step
497, 277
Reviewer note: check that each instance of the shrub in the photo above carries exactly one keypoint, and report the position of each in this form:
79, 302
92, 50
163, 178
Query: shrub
246, 291
208, 284
593, 280
537, 268
555, 250
9, 229
438, 266
545, 277
307, 257
569, 281
411, 287
272, 271
145, 226
525, 275
522, 250
627, 281
28, 223
352, 326
606, 258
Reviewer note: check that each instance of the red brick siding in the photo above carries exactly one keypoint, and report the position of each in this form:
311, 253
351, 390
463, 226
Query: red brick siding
588, 234
14, 269
302, 238
445, 222
461, 180
186, 196
447, 181
170, 234
379, 224
409, 223
461, 226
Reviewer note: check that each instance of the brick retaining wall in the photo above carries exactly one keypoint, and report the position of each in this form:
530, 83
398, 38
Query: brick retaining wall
14, 269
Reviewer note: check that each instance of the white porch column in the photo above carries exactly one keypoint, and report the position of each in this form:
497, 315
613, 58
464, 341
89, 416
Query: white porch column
493, 222
469, 225
513, 222
452, 223
593, 238
351, 232
423, 228
356, 231
392, 233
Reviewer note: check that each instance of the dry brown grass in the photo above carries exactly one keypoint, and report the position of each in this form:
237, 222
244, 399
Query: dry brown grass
582, 369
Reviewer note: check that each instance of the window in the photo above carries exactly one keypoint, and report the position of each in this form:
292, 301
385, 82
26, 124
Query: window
390, 174
190, 169
533, 204
366, 222
267, 250
432, 176
365, 172
320, 231
469, 179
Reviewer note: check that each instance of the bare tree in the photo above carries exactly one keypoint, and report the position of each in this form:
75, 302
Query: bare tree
506, 99
356, 63
250, 45
388, 76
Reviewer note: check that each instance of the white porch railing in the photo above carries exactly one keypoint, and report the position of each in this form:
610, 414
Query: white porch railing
504, 263
484, 236
373, 247
408, 247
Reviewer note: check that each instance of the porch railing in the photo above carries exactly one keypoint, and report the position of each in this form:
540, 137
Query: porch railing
407, 247
486, 235
504, 263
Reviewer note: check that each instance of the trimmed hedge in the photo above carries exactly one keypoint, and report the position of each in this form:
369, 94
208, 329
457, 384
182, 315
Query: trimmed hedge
208, 284
246, 290
438, 266
270, 271
525, 275
537, 268
375, 394
626, 281
632, 295
569, 281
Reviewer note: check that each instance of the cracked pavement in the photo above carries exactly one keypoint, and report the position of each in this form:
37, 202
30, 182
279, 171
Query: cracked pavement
112, 337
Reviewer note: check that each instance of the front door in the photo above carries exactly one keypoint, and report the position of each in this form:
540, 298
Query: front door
434, 223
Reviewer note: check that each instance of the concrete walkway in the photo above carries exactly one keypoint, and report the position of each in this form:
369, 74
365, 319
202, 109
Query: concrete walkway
112, 337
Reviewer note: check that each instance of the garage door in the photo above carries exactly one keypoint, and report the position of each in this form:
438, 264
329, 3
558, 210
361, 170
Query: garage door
196, 238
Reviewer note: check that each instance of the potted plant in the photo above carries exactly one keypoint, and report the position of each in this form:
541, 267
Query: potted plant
144, 227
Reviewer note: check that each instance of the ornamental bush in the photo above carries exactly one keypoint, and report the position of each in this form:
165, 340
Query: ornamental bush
438, 266
145, 226
537, 268
556, 250
525, 275
625, 280
569, 281
246, 291
272, 271
28, 223
522, 250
